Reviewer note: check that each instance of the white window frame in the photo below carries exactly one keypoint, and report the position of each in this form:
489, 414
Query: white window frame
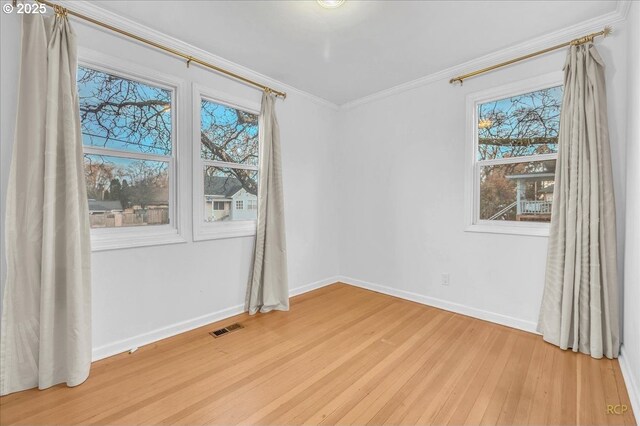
216, 230
473, 223
141, 236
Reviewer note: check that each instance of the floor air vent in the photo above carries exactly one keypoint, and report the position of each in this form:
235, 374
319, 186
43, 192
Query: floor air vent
226, 330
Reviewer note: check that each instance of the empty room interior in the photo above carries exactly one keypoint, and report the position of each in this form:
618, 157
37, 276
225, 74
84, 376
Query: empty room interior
321, 212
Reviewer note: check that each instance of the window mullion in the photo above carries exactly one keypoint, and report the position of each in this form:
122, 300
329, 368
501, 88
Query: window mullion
523, 159
125, 154
216, 163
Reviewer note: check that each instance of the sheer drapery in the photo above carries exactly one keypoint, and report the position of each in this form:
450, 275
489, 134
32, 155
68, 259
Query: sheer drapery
268, 288
46, 316
580, 303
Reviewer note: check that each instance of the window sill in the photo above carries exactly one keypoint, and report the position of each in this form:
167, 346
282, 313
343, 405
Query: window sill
123, 238
216, 231
531, 230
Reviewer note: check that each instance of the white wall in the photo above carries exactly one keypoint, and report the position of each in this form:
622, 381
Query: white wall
142, 291
345, 173
631, 336
403, 189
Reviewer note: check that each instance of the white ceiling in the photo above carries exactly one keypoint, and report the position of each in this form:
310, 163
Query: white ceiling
360, 48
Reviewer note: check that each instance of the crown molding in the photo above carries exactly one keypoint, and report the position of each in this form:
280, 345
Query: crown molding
91, 10
595, 24
556, 37
622, 8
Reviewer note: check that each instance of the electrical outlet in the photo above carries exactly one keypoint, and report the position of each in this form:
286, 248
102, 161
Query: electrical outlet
444, 280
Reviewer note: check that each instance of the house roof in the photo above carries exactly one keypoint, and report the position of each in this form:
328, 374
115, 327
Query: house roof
223, 186
104, 205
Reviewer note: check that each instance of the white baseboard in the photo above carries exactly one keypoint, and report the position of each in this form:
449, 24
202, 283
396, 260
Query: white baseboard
124, 345
140, 340
313, 286
633, 388
184, 326
512, 322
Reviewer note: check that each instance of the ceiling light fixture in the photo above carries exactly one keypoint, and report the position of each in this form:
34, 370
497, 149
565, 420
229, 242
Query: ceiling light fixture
330, 4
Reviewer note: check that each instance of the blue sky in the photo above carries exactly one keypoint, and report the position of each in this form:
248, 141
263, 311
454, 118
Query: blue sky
103, 87
508, 108
147, 140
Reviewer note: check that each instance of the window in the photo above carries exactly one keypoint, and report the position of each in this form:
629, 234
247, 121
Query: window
226, 167
128, 140
515, 145
219, 205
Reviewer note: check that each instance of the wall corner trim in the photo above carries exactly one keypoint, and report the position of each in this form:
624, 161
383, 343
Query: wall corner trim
633, 388
623, 7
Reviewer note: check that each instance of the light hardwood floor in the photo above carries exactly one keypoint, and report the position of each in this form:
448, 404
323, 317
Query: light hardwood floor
342, 355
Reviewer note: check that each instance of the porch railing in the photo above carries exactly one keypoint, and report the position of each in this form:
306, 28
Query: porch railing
534, 207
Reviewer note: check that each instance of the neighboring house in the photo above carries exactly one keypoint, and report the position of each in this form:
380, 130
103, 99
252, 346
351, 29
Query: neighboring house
104, 206
105, 213
534, 196
110, 213
226, 199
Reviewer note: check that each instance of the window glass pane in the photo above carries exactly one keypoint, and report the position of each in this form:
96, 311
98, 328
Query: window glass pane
526, 124
228, 134
231, 189
519, 191
126, 191
124, 114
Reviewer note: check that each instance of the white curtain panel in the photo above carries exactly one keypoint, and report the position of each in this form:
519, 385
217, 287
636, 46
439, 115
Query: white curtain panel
268, 288
580, 302
46, 316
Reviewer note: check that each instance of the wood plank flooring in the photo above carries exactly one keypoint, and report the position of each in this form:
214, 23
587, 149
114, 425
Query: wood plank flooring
342, 355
